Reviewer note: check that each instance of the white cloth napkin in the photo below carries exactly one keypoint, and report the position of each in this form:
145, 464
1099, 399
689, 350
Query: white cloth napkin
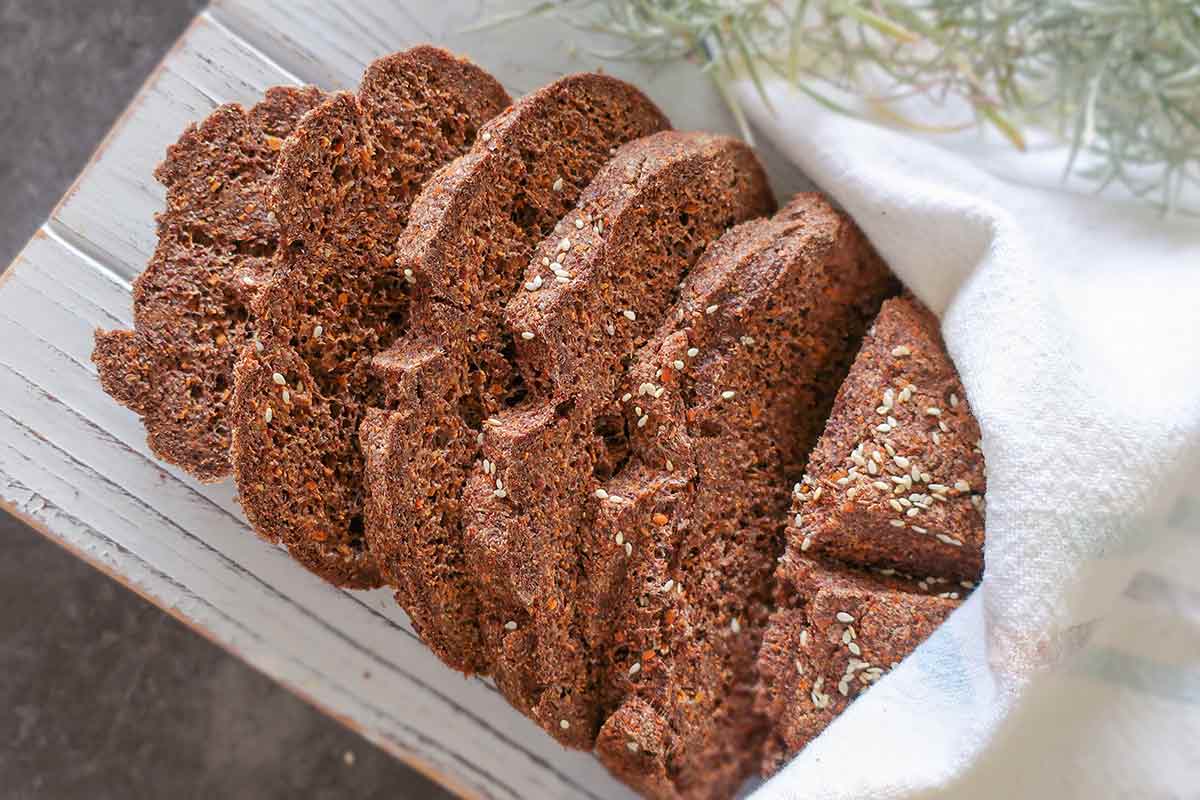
1074, 669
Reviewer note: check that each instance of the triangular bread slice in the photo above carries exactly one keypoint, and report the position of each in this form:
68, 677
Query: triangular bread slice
346, 180
215, 243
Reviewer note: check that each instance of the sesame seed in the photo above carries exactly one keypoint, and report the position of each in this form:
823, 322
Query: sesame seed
268, 414
953, 400
633, 746
883, 427
854, 648
804, 638
628, 549
798, 520
962, 486
558, 270
409, 276
677, 364
845, 617
747, 340
625, 398
562, 723
641, 423
510, 625
848, 636
693, 352
901, 351
258, 346
500, 493
527, 335
844, 687
807, 543
610, 329
637, 410
950, 540
937, 437
727, 394
564, 245
629, 315
635, 669
479, 439
669, 585
670, 466
933, 411
881, 486
912, 512
287, 396
872, 467
882, 409
897, 523
711, 309
317, 331
901, 462
620, 538
279, 379
735, 626
896, 505
603, 495
486, 136
534, 284
944, 427
918, 529
558, 185
579, 223
545, 259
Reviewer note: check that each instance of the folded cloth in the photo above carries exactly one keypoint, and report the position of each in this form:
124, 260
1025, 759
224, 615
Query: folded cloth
1074, 320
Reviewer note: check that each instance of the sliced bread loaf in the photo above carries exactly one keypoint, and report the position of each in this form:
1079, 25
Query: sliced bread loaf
721, 409
469, 241
344, 186
215, 243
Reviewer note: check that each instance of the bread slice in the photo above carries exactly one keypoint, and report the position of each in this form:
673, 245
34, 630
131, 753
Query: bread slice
346, 180
884, 540
471, 236
638, 229
897, 479
839, 630
721, 409
215, 242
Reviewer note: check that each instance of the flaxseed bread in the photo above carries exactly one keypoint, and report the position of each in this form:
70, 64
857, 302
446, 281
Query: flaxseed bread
469, 241
342, 192
621, 253
721, 409
216, 239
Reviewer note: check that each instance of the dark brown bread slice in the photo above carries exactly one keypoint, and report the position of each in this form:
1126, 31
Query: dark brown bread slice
472, 232
897, 478
346, 180
215, 242
721, 407
638, 229
838, 631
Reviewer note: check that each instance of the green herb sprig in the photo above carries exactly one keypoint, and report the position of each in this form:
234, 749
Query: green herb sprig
1119, 80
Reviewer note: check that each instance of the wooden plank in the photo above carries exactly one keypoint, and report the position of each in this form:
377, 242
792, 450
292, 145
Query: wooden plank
77, 464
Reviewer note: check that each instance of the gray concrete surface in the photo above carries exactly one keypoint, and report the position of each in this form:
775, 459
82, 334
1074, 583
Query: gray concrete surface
101, 694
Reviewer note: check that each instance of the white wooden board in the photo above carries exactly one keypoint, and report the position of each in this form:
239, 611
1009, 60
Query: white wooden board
76, 465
